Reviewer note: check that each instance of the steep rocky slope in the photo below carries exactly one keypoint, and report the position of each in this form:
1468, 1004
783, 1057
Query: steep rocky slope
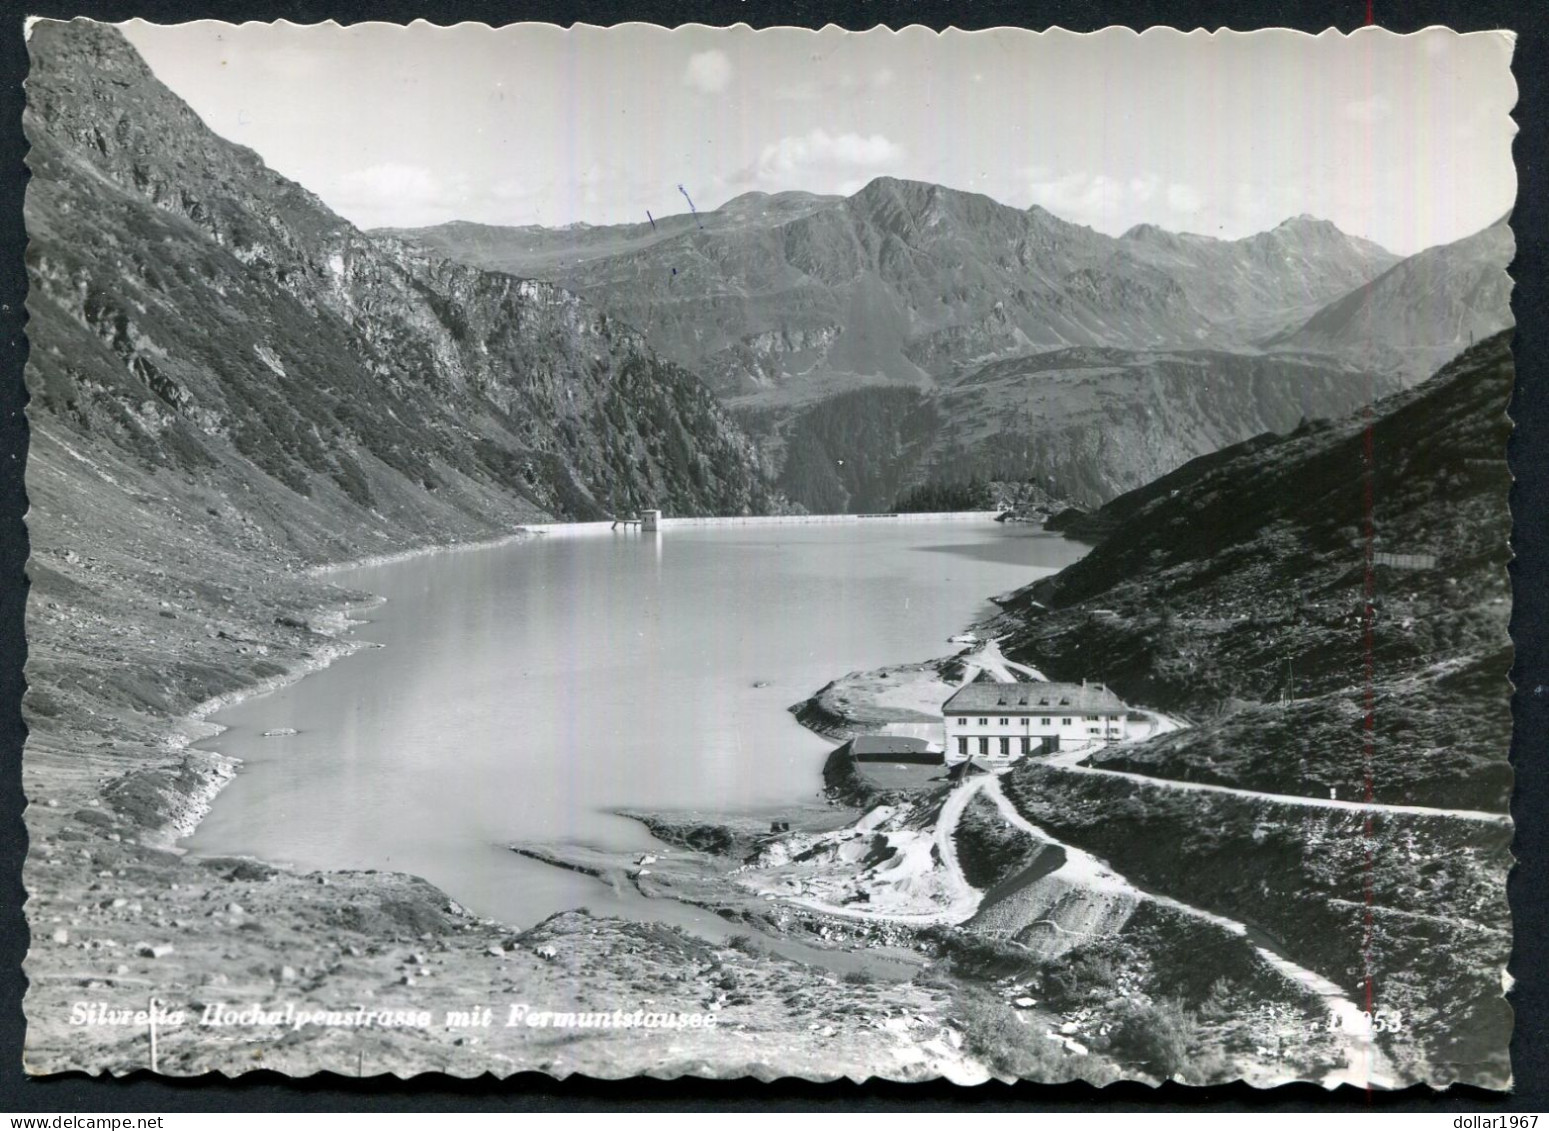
194, 312
1252, 563
912, 281
1420, 313
1255, 282
1330, 610
228, 384
1091, 423
1084, 424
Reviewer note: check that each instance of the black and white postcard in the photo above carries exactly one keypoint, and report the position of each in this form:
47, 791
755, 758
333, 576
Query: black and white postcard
712, 552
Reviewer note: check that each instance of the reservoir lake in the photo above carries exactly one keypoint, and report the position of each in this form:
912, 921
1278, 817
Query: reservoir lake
523, 692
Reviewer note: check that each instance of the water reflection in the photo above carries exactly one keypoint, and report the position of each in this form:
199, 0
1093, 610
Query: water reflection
526, 692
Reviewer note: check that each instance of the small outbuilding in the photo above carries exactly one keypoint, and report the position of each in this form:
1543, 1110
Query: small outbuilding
894, 748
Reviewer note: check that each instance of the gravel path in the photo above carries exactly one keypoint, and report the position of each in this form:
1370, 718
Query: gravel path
1364, 1063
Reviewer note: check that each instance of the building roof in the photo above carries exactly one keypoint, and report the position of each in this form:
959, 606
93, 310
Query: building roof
1032, 698
886, 744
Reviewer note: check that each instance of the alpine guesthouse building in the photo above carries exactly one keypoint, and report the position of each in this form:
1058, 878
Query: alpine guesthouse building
1001, 722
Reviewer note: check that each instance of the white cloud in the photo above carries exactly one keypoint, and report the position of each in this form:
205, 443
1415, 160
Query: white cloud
1111, 203
792, 161
397, 194
1081, 197
708, 71
385, 193
1184, 198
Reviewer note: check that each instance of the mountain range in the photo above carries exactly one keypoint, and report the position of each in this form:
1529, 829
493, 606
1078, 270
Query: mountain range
456, 379
1421, 312
202, 326
914, 282
1007, 342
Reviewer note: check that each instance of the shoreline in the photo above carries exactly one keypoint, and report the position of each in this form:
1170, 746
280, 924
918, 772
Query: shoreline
193, 804
225, 766
393, 556
194, 727
241, 923
816, 935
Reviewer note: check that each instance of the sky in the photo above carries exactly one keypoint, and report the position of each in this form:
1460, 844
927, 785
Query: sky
1405, 140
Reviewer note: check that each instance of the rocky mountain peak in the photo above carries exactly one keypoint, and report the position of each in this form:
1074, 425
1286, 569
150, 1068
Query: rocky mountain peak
1420, 312
745, 201
1306, 228
1151, 233
89, 89
63, 46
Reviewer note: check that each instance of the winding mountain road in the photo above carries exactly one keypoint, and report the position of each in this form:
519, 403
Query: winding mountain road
1074, 762
1364, 1063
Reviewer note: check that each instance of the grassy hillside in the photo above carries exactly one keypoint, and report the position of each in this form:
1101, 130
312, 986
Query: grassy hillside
1252, 592
1243, 579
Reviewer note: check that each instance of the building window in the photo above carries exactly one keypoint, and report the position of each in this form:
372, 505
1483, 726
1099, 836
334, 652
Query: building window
1064, 722
1005, 722
1045, 722
1027, 745
1005, 747
962, 721
984, 722
984, 746
962, 746
1094, 730
1027, 722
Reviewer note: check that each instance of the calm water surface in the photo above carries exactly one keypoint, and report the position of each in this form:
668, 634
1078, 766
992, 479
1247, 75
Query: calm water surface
524, 691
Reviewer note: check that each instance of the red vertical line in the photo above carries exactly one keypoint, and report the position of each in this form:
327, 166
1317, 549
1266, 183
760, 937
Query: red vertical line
1369, 703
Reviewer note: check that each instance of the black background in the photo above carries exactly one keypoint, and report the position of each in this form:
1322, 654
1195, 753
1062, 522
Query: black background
1529, 454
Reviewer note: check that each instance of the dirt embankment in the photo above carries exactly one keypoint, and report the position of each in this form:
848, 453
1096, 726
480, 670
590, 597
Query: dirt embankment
988, 848
844, 781
737, 836
1407, 901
